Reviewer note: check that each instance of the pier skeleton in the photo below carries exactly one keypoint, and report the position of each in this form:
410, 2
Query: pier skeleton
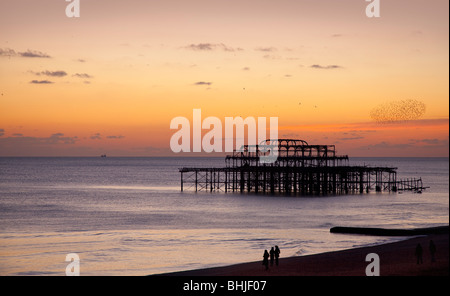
300, 169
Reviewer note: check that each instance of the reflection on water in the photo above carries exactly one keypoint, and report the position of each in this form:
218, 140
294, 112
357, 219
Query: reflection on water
128, 217
117, 187
143, 252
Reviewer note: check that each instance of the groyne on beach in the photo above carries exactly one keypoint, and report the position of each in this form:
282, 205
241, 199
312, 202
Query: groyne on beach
390, 232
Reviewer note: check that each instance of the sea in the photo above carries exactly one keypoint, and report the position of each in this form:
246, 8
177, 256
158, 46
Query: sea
128, 216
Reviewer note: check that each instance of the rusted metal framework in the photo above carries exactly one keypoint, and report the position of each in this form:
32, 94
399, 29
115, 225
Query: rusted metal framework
300, 169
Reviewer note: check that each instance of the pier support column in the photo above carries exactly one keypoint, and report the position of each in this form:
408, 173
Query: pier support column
181, 182
361, 182
226, 179
242, 182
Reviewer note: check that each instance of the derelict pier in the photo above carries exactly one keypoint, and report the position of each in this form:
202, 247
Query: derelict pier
299, 169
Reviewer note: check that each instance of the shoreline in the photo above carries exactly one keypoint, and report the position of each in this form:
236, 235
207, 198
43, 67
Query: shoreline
396, 259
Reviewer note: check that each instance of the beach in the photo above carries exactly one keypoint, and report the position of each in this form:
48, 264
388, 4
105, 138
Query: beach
396, 259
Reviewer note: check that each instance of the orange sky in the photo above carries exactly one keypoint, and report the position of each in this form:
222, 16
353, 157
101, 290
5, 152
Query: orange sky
112, 80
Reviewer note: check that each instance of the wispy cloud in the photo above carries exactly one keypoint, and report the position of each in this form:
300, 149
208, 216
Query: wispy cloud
26, 54
328, 67
272, 57
34, 54
115, 137
212, 47
96, 136
7, 52
202, 83
266, 49
82, 75
57, 138
18, 144
351, 138
431, 142
41, 82
388, 146
201, 46
50, 73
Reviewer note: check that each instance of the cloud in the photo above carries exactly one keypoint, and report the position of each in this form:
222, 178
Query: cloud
54, 73
115, 137
388, 146
26, 54
51, 73
41, 82
351, 138
81, 60
246, 69
431, 142
96, 136
362, 131
82, 75
202, 83
211, 47
272, 57
56, 144
201, 46
33, 54
7, 52
57, 138
411, 144
328, 67
291, 135
2, 132
266, 49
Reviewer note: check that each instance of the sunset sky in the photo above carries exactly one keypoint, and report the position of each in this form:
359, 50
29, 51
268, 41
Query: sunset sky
111, 81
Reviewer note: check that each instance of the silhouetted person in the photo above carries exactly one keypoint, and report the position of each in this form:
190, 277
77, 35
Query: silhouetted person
277, 254
419, 252
266, 259
272, 256
432, 251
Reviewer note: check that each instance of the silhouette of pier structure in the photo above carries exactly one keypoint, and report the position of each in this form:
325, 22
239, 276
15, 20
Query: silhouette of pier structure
299, 169
412, 184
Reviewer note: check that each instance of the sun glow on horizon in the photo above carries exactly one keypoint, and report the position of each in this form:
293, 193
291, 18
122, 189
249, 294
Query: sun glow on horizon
112, 80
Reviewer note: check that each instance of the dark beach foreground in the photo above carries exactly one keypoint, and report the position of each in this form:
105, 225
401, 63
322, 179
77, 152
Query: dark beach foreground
396, 259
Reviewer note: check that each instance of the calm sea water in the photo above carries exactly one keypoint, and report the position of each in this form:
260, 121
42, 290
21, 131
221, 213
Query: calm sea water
127, 216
